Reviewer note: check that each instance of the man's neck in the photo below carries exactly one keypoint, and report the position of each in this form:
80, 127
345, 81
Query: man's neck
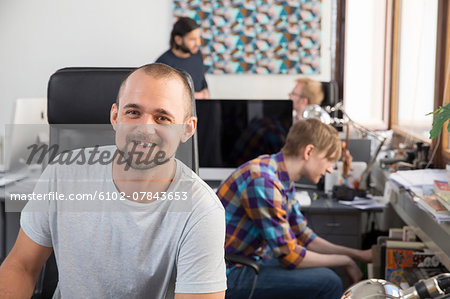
180, 54
293, 167
130, 180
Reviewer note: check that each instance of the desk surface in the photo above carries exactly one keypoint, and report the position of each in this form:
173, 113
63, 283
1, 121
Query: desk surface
326, 202
322, 203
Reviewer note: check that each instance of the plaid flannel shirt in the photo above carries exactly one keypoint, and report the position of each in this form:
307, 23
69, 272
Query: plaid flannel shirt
261, 210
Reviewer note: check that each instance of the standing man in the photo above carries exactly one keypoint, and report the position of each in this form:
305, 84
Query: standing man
184, 54
149, 228
262, 213
306, 92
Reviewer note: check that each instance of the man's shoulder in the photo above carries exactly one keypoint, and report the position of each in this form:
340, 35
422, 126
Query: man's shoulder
263, 166
257, 168
166, 57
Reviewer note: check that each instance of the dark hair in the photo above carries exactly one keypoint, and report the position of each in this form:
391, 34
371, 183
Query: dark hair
161, 70
183, 26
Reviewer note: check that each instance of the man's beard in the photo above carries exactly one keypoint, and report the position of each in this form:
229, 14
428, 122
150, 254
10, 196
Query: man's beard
137, 159
184, 49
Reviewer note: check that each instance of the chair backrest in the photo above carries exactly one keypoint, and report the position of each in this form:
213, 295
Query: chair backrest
331, 93
79, 104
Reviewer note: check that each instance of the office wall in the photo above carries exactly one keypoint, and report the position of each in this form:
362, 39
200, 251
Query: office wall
39, 37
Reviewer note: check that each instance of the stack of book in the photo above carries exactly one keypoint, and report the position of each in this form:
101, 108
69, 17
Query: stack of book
403, 262
433, 205
424, 265
436, 201
442, 190
399, 256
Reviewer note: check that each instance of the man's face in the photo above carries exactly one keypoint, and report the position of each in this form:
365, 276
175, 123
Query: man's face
189, 43
151, 118
316, 166
298, 101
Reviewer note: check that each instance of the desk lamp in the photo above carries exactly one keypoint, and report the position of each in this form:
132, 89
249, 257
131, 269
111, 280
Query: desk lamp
323, 114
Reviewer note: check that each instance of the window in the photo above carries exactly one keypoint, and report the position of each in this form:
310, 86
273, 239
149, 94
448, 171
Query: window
416, 66
364, 65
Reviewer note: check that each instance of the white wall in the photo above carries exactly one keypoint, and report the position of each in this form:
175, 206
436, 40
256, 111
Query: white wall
39, 37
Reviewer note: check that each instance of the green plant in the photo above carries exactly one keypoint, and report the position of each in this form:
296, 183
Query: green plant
442, 114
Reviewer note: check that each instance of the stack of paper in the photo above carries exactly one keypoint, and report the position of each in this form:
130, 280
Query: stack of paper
417, 178
431, 204
375, 202
422, 182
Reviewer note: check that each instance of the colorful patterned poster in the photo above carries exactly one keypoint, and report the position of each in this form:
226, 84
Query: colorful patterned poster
257, 36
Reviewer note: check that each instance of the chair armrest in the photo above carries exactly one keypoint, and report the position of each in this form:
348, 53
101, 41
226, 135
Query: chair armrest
243, 260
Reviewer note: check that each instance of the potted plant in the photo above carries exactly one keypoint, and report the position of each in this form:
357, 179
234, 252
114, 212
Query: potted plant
442, 114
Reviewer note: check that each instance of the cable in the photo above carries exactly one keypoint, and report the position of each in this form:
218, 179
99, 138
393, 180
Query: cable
434, 151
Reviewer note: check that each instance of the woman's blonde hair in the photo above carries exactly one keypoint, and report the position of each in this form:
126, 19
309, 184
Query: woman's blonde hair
312, 131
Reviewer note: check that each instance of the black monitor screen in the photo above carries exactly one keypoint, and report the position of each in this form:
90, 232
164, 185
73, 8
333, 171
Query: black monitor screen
232, 132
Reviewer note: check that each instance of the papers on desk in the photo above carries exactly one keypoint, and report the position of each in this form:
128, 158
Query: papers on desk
420, 185
303, 198
431, 205
417, 178
428, 201
375, 202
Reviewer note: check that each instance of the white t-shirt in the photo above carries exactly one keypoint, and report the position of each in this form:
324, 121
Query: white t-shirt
119, 248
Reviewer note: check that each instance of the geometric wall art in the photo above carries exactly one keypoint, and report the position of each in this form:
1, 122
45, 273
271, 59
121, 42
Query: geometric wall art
257, 36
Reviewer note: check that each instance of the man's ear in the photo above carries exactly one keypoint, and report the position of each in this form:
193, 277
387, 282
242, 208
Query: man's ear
308, 151
178, 39
189, 128
113, 115
304, 101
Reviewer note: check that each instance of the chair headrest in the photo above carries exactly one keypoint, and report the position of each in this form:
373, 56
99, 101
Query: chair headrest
331, 93
83, 95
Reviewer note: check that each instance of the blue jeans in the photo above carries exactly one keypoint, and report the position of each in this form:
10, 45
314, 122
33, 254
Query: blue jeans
277, 282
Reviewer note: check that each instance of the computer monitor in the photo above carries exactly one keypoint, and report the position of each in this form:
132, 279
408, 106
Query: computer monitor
29, 126
232, 132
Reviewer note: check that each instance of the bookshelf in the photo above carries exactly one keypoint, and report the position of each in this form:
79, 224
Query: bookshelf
436, 236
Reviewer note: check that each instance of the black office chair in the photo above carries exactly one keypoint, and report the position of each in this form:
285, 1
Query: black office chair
331, 93
79, 103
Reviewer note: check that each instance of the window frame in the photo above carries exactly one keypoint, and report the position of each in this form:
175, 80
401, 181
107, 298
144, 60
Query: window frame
441, 68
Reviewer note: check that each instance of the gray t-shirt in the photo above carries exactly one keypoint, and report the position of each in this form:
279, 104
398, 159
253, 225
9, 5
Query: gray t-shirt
125, 249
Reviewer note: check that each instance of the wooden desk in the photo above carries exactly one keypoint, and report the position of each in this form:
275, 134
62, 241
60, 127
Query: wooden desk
339, 224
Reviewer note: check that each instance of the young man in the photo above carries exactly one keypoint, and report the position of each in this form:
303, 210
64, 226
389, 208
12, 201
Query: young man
263, 218
184, 54
153, 229
306, 92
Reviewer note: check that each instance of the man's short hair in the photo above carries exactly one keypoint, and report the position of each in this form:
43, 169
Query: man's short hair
312, 131
163, 71
183, 26
312, 90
